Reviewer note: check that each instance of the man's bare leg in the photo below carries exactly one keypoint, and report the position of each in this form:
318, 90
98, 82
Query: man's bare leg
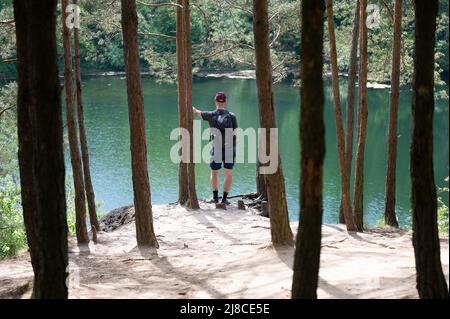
227, 184
215, 180
228, 179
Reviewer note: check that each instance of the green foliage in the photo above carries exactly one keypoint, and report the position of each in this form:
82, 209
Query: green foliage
228, 43
7, 39
160, 53
5, 4
8, 129
163, 66
443, 211
222, 38
443, 218
441, 56
101, 43
12, 232
70, 204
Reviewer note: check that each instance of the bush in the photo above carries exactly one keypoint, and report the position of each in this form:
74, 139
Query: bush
443, 218
70, 203
443, 212
8, 129
12, 231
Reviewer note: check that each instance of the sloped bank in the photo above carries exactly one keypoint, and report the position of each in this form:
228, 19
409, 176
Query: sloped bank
210, 253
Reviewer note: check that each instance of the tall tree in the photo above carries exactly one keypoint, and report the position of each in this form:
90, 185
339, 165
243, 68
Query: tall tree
83, 139
430, 278
261, 187
345, 178
75, 159
183, 191
358, 205
41, 158
278, 212
351, 85
389, 202
145, 234
192, 201
312, 138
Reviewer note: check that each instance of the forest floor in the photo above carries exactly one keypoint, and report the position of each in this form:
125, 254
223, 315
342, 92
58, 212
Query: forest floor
212, 253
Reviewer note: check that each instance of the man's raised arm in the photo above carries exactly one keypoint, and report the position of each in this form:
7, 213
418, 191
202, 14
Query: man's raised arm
197, 112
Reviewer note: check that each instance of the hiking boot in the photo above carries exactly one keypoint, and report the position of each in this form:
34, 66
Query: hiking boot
213, 201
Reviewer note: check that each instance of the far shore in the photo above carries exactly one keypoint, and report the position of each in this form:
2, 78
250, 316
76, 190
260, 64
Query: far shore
234, 74
229, 74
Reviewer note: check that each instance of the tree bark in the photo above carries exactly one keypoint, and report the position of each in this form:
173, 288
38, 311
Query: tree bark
145, 234
431, 282
41, 158
358, 205
345, 178
350, 120
390, 217
78, 180
261, 187
192, 201
90, 195
183, 191
312, 136
279, 218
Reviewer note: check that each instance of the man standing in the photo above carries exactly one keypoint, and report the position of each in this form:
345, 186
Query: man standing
222, 124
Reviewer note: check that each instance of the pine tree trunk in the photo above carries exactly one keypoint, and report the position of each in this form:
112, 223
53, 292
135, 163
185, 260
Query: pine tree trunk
41, 158
83, 140
350, 123
431, 282
261, 187
278, 212
390, 217
192, 201
182, 170
358, 204
312, 138
75, 158
345, 178
145, 234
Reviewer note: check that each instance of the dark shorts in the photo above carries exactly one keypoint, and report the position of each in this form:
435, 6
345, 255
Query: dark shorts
216, 165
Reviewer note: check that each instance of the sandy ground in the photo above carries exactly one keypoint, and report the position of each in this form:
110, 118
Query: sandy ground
211, 253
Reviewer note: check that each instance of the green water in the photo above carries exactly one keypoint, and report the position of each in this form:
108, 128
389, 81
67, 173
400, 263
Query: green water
108, 136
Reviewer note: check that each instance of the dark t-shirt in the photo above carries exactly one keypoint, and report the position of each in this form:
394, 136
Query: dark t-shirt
210, 116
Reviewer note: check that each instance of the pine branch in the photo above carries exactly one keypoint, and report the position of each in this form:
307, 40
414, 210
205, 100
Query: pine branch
5, 109
216, 53
276, 36
10, 21
8, 61
234, 5
168, 37
388, 9
167, 4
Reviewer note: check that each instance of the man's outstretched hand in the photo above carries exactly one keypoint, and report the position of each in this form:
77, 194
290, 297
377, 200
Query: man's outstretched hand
197, 112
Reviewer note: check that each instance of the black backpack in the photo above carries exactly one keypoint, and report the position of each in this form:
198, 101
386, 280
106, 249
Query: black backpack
223, 121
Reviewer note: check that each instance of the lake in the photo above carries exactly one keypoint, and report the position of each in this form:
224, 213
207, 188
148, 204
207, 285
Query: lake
106, 119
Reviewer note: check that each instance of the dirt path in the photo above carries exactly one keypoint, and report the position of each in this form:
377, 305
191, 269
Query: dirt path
212, 253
